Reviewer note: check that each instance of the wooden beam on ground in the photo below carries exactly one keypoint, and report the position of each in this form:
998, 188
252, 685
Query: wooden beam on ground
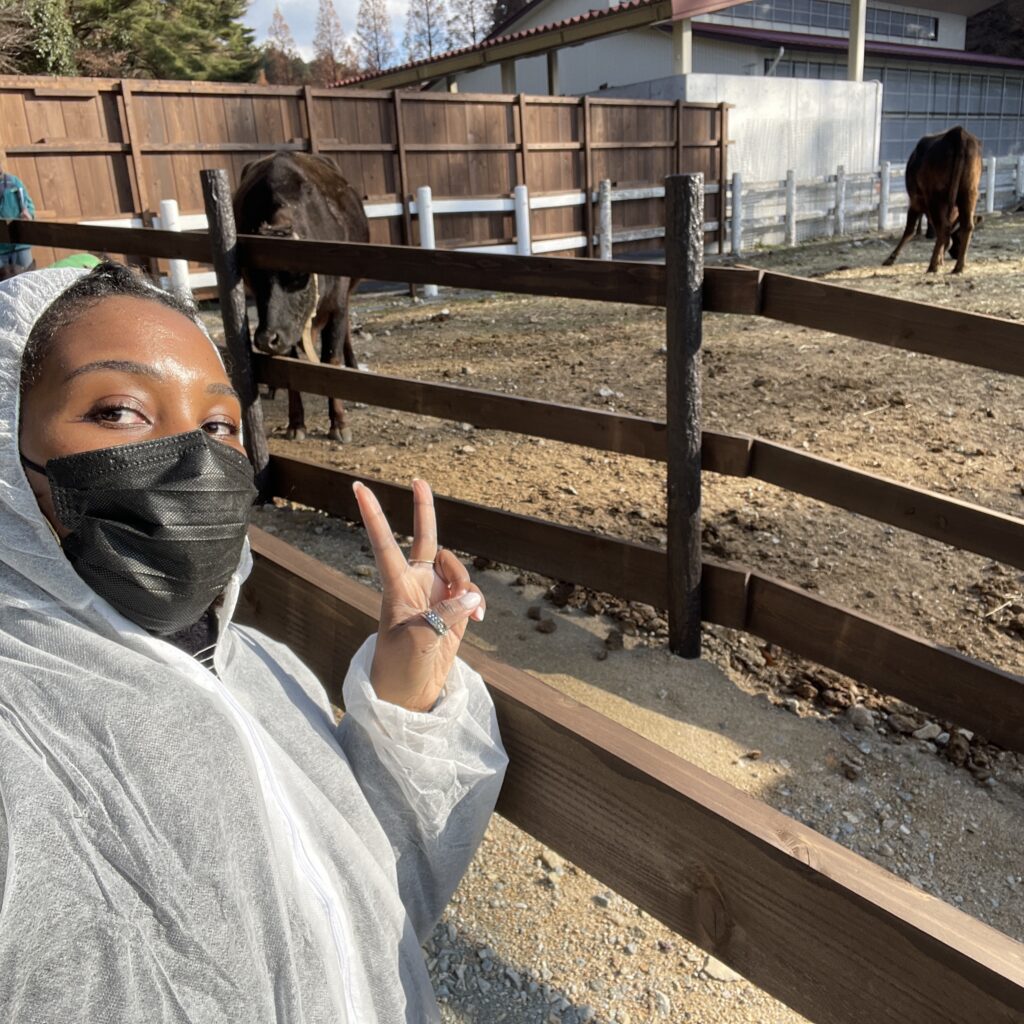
802, 917
938, 680
971, 338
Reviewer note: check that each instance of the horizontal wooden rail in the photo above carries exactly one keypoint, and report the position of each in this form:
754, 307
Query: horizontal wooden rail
938, 680
957, 523
971, 338
756, 889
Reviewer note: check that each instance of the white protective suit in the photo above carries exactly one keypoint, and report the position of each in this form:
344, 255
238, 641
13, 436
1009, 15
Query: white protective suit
182, 845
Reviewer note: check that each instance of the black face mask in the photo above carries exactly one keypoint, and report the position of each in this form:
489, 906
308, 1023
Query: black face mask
157, 527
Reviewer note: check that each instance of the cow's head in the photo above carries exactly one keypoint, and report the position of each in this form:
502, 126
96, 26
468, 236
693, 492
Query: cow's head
285, 301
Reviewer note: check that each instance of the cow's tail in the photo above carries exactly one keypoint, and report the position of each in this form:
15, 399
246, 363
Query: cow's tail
958, 170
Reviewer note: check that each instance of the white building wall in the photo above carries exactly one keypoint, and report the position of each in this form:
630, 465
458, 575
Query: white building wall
808, 125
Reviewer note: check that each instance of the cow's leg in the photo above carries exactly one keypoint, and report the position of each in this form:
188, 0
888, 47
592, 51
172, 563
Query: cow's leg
913, 220
966, 202
336, 346
296, 414
940, 218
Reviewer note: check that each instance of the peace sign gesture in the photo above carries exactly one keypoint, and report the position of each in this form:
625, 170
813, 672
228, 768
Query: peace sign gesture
428, 601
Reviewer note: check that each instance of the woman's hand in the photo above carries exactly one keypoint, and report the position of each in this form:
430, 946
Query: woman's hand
412, 660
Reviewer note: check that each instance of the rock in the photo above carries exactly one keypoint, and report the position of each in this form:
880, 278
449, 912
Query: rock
720, 972
603, 899
860, 717
928, 731
535, 612
546, 626
551, 860
585, 1013
482, 562
807, 691
791, 704
662, 1004
852, 767
613, 641
365, 570
957, 749
901, 724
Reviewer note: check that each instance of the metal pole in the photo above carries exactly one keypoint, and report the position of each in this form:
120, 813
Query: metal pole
604, 218
883, 196
736, 221
224, 251
990, 186
524, 246
177, 270
425, 215
684, 271
840, 200
790, 208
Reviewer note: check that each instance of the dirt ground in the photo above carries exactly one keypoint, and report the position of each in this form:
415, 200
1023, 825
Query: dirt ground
945, 810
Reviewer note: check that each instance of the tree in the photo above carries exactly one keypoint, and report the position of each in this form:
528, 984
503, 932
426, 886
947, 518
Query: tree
333, 58
374, 43
36, 38
505, 9
470, 21
426, 29
191, 39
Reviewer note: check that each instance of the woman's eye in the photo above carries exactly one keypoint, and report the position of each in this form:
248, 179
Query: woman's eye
220, 428
119, 416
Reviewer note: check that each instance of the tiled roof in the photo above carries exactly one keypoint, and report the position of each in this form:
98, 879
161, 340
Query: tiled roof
485, 44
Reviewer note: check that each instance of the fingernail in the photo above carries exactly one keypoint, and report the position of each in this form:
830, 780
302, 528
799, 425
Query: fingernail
478, 615
469, 600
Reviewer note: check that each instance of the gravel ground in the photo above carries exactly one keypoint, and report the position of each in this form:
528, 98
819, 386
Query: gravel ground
529, 938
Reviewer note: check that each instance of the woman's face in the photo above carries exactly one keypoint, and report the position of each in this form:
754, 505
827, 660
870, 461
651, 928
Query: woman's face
126, 370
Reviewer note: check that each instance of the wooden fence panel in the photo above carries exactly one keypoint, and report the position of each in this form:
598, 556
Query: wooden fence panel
797, 914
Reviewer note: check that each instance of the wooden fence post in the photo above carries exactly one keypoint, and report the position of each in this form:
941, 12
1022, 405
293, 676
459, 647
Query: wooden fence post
791, 208
736, 220
231, 291
588, 173
840, 221
684, 270
883, 196
604, 218
425, 215
524, 245
990, 186
1020, 177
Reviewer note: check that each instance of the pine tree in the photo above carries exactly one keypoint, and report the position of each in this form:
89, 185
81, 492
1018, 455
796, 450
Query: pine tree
333, 57
426, 29
374, 43
470, 21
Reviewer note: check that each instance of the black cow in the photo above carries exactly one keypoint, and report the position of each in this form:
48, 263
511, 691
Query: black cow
943, 176
298, 195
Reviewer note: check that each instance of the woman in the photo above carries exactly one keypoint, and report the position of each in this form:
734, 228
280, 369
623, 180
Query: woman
184, 833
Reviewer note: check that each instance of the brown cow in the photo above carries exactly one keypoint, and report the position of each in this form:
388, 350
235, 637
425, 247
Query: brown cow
299, 195
943, 174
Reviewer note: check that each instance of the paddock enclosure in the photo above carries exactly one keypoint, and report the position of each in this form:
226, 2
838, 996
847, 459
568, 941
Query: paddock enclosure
781, 904
106, 149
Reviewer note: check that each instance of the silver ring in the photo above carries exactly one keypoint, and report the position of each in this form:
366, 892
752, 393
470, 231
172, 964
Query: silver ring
435, 621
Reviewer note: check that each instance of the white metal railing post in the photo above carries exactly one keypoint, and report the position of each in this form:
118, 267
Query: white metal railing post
840, 222
425, 215
736, 221
177, 270
990, 186
791, 208
1020, 177
524, 246
883, 196
604, 219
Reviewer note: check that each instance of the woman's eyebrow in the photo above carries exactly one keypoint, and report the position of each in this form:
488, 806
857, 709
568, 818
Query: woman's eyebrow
221, 389
120, 365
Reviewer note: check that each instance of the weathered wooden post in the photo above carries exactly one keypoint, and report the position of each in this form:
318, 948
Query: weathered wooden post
840, 221
425, 216
684, 271
1019, 191
883, 196
231, 292
990, 186
790, 208
604, 219
736, 220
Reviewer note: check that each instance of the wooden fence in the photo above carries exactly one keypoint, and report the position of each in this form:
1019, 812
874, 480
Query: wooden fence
742, 881
93, 148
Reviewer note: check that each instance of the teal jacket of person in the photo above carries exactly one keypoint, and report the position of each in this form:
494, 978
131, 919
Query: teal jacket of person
14, 199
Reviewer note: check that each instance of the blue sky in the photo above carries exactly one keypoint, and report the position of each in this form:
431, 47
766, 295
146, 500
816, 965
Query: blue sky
301, 18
